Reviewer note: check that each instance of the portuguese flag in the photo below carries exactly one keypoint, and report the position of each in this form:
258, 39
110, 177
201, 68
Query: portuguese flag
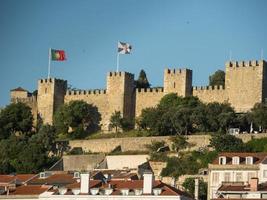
58, 55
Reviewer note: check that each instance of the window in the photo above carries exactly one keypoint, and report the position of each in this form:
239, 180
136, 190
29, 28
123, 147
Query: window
174, 85
222, 160
264, 173
238, 177
215, 177
227, 176
249, 160
45, 90
235, 160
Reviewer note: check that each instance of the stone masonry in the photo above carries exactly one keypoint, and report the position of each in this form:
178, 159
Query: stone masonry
245, 85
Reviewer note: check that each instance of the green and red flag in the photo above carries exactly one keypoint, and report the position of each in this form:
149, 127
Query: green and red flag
58, 55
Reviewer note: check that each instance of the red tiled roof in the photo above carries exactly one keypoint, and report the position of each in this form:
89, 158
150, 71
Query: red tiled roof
18, 177
19, 89
117, 185
93, 183
240, 187
54, 179
258, 157
129, 176
30, 190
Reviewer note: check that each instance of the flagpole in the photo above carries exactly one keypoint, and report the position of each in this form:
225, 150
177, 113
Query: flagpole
49, 62
261, 54
118, 60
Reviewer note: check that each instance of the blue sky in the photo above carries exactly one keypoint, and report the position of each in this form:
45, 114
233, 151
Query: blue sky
164, 33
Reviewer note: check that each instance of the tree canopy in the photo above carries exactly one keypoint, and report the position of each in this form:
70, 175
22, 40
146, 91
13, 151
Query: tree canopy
182, 116
259, 115
142, 81
227, 143
15, 118
218, 78
77, 117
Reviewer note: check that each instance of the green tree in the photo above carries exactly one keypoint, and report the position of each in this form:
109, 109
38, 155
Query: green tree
15, 118
189, 185
259, 115
77, 117
218, 78
47, 137
219, 116
227, 143
257, 145
154, 150
179, 142
116, 120
142, 81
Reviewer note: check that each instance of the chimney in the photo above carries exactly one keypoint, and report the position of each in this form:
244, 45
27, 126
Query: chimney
253, 182
85, 182
196, 188
148, 182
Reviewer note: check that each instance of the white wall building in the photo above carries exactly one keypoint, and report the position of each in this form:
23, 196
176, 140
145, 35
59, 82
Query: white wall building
236, 167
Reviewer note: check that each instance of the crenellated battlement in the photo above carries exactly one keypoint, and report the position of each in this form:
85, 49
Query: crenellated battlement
249, 63
52, 80
202, 88
120, 74
176, 71
147, 90
85, 92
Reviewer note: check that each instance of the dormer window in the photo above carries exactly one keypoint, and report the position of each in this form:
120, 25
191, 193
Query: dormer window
76, 175
249, 160
42, 175
222, 160
235, 160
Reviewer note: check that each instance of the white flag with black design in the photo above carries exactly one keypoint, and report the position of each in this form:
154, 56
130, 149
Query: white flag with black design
124, 48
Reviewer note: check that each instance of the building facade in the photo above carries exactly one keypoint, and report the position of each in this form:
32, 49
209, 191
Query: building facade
236, 168
245, 85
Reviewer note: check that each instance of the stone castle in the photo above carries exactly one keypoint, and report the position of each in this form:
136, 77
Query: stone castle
245, 85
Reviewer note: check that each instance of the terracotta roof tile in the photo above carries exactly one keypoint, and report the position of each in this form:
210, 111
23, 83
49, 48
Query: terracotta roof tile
19, 89
18, 177
93, 183
30, 190
54, 179
258, 157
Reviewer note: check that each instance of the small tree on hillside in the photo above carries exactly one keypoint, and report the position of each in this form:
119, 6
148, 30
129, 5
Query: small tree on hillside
179, 142
116, 120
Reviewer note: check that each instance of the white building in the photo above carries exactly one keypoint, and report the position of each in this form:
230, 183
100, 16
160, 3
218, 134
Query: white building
83, 187
236, 168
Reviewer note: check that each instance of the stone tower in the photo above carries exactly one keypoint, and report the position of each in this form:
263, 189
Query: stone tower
51, 94
246, 84
178, 81
120, 93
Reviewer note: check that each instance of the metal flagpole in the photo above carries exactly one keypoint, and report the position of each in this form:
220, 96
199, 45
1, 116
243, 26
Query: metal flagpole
261, 54
118, 60
230, 55
49, 62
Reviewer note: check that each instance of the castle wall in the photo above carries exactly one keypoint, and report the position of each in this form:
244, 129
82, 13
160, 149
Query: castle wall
147, 98
211, 93
139, 143
178, 81
98, 98
244, 84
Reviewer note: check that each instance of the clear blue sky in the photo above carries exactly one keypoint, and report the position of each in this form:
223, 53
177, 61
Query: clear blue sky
164, 33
